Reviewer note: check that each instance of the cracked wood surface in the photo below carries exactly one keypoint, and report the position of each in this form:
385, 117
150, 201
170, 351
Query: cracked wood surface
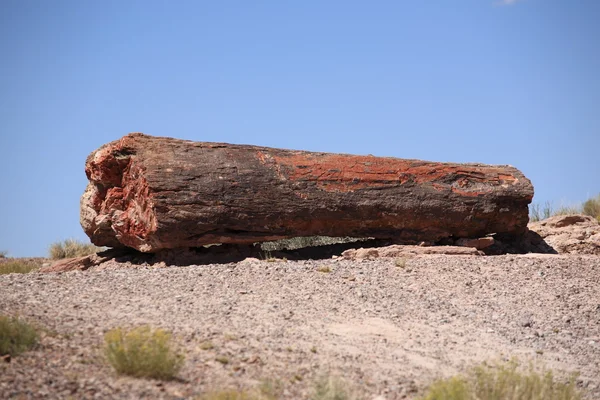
151, 193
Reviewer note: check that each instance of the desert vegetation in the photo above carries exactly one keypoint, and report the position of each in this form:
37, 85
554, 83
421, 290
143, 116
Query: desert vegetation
329, 387
590, 207
325, 387
233, 394
16, 336
400, 262
72, 248
503, 382
268, 390
142, 352
324, 268
18, 267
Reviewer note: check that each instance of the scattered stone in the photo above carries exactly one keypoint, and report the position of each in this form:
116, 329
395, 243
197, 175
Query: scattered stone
526, 322
251, 260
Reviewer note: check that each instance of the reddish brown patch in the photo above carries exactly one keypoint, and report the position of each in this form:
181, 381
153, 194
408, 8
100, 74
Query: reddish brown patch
345, 173
137, 221
122, 192
467, 193
507, 178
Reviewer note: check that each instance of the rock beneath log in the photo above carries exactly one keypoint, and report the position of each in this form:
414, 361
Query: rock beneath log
408, 251
152, 193
82, 263
73, 264
568, 234
479, 243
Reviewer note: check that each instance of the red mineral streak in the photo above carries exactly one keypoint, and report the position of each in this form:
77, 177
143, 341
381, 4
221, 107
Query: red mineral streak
345, 173
124, 193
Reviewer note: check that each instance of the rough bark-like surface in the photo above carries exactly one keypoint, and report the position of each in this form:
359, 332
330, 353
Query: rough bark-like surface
151, 193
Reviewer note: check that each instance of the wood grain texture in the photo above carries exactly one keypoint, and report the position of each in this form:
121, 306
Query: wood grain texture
152, 193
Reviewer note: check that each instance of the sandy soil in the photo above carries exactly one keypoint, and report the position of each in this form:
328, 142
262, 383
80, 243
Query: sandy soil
387, 330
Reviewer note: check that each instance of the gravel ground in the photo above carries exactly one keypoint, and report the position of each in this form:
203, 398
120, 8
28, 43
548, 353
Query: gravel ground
387, 330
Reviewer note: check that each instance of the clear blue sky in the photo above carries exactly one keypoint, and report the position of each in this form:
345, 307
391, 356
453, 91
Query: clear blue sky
498, 82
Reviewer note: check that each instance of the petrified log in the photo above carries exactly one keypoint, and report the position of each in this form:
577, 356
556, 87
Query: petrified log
152, 193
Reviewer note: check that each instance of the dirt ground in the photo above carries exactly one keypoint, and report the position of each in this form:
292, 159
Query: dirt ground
386, 330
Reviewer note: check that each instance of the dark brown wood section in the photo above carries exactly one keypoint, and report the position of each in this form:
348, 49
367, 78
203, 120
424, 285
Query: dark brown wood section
151, 193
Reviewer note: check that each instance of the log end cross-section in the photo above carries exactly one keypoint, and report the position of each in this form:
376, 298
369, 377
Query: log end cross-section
152, 193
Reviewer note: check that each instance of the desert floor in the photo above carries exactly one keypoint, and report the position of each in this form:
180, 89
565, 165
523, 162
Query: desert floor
386, 330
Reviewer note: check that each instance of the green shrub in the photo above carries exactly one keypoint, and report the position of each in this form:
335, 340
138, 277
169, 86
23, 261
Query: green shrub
3, 253
16, 336
72, 248
503, 382
592, 207
18, 267
143, 353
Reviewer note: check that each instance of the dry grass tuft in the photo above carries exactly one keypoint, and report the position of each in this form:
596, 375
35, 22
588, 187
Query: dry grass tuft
16, 336
592, 207
18, 267
538, 213
503, 382
268, 257
268, 390
230, 394
324, 268
222, 359
143, 353
208, 345
70, 248
455, 388
567, 210
400, 262
331, 388
589, 207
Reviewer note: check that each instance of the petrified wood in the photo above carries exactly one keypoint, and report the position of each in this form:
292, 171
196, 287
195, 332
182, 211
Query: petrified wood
152, 193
